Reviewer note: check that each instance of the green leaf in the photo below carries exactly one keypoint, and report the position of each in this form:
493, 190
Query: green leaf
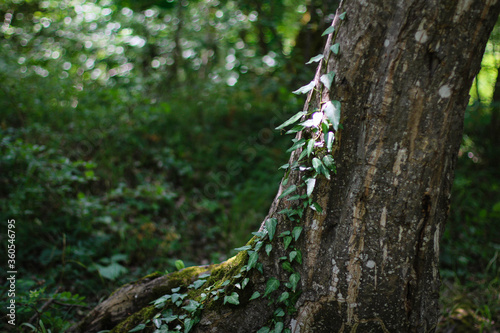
296, 145
316, 207
284, 233
286, 192
329, 30
310, 146
305, 89
287, 240
244, 283
264, 329
294, 280
198, 283
317, 165
311, 182
243, 248
315, 59
278, 328
287, 266
336, 115
252, 260
192, 306
296, 232
225, 283
284, 166
327, 79
232, 299
174, 290
342, 16
138, 328
179, 264
254, 295
292, 120
272, 285
299, 256
335, 48
329, 141
269, 247
329, 162
292, 255
188, 324
295, 129
271, 226
279, 312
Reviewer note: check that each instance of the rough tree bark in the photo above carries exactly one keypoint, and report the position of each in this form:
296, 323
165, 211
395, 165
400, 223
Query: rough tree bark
370, 260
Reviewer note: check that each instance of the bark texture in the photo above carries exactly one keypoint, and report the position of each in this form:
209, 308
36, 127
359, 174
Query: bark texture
370, 261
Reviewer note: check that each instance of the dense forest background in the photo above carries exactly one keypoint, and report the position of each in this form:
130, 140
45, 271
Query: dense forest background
138, 136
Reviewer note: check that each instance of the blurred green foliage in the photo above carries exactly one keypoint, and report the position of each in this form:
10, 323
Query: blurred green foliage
137, 133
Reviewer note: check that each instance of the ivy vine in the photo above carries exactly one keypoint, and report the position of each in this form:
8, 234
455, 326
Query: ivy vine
320, 125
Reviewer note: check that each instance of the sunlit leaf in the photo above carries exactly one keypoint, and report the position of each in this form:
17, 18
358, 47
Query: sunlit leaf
327, 79
311, 182
305, 89
335, 48
254, 295
232, 299
315, 59
286, 192
292, 120
271, 226
329, 30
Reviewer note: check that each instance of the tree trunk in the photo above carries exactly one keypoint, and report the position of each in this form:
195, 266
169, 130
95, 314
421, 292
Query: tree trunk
370, 259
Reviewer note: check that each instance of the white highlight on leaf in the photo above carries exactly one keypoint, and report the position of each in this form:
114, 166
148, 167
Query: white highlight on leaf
445, 91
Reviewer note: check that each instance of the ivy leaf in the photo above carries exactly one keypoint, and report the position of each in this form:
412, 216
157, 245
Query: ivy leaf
243, 248
138, 328
297, 145
294, 280
295, 129
327, 79
342, 16
328, 31
188, 324
296, 232
292, 120
232, 299
284, 233
192, 306
252, 260
292, 255
329, 162
286, 192
311, 182
287, 240
272, 285
335, 48
299, 256
315, 59
278, 328
336, 115
279, 312
284, 296
198, 283
254, 295
314, 121
287, 266
305, 89
317, 165
329, 141
271, 226
269, 247
244, 283
264, 329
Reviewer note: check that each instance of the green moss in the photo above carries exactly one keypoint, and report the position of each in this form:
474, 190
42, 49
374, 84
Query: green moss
137, 318
219, 273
